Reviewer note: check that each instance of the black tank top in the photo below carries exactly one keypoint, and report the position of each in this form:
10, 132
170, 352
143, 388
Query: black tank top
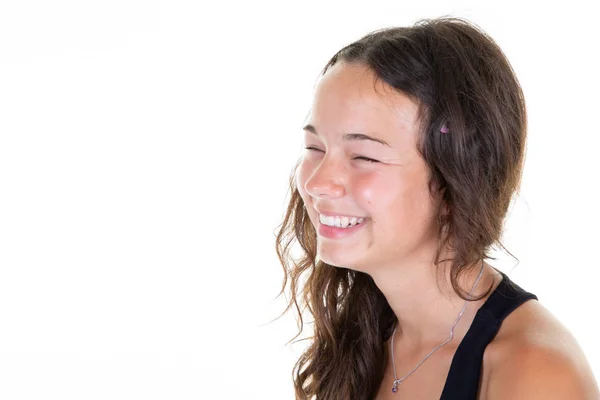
463, 378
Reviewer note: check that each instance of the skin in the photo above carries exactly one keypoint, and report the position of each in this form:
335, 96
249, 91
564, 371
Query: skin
398, 240
397, 243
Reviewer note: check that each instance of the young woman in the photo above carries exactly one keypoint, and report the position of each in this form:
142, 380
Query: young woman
414, 148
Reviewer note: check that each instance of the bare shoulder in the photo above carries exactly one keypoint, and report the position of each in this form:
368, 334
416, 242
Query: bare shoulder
534, 356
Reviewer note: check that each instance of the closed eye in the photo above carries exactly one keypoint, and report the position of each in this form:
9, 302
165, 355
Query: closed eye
366, 159
355, 158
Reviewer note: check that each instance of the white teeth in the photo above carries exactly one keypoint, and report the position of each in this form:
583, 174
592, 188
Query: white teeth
345, 221
340, 222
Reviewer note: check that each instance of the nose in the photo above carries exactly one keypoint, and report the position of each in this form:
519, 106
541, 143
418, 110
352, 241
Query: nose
326, 181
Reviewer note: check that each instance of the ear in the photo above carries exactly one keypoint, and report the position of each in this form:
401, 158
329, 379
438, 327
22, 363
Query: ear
439, 196
444, 209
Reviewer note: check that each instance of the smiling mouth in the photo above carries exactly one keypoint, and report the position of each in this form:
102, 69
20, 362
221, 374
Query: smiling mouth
358, 222
335, 232
340, 221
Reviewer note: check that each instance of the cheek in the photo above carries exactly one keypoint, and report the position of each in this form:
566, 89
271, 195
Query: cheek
376, 194
395, 198
377, 189
302, 175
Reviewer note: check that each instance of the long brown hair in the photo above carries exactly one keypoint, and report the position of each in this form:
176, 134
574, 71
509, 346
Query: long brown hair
462, 80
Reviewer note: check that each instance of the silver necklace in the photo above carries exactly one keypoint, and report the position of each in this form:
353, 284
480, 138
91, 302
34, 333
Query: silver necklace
399, 381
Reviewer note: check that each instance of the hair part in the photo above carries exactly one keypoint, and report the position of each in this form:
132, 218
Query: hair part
462, 80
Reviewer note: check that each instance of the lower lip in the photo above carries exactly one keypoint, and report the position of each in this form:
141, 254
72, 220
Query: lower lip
332, 232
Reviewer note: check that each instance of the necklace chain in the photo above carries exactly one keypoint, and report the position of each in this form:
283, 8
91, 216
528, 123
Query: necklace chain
399, 381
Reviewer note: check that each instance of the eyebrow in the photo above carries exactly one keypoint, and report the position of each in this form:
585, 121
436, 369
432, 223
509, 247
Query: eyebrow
349, 136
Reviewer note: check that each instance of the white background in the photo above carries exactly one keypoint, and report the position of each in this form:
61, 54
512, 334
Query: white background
145, 148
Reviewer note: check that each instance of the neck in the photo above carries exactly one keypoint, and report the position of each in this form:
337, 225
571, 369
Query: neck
425, 303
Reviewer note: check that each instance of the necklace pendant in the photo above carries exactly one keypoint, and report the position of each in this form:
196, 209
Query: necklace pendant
394, 390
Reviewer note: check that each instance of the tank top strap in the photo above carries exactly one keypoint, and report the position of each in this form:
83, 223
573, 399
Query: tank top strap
464, 375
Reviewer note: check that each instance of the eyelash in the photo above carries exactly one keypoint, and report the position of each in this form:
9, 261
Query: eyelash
356, 158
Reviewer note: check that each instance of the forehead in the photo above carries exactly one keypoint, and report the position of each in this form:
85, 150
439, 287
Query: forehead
350, 97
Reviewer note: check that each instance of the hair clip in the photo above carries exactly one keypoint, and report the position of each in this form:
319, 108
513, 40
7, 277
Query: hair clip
444, 129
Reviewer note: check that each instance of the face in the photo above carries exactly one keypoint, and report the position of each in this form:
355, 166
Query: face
346, 174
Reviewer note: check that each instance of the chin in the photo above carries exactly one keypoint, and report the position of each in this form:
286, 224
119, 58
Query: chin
340, 257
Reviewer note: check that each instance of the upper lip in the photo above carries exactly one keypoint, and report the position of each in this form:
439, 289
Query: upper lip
336, 213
